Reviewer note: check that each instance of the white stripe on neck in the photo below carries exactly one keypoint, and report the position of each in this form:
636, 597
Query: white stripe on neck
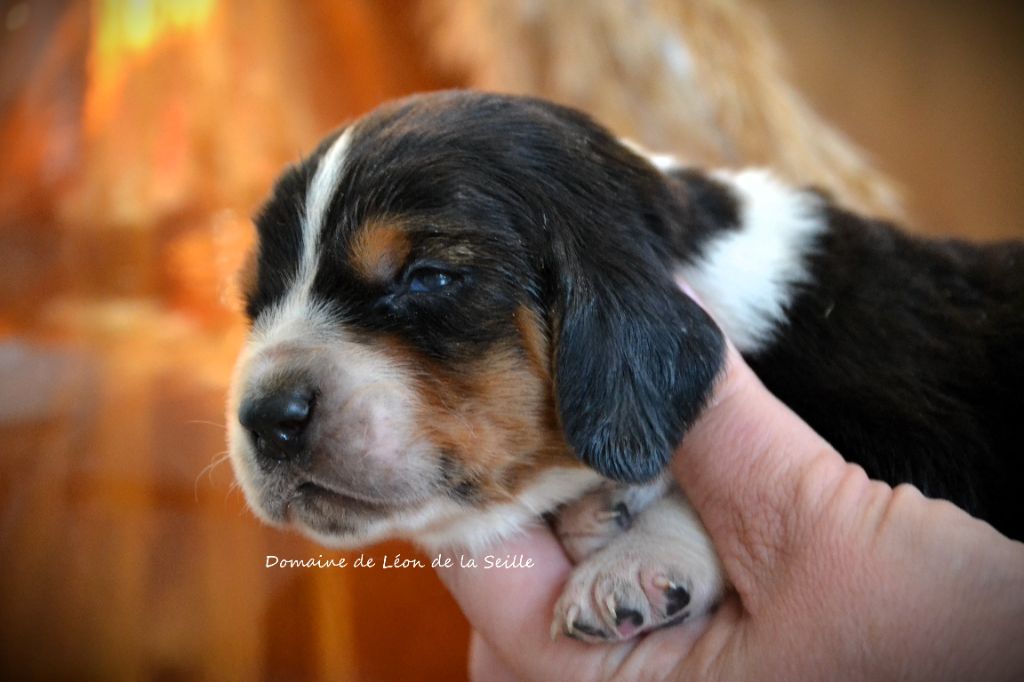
747, 277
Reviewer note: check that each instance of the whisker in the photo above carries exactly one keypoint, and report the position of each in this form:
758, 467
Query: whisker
208, 470
232, 489
207, 422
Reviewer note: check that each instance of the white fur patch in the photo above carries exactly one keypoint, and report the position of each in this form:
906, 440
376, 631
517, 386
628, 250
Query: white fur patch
476, 529
444, 524
747, 277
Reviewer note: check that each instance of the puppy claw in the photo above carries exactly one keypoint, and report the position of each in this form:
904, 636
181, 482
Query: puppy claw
609, 603
622, 516
570, 619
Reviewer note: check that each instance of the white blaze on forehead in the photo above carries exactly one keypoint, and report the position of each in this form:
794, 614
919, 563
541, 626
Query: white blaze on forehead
318, 202
747, 277
298, 312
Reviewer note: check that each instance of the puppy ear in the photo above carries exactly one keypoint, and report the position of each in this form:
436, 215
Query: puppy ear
634, 364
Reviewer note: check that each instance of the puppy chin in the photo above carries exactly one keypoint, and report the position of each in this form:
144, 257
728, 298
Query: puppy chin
333, 531
356, 539
332, 525
343, 528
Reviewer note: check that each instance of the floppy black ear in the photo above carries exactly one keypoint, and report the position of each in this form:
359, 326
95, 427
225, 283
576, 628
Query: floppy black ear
633, 358
635, 361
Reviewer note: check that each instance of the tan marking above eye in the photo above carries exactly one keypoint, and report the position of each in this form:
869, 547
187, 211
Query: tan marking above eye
379, 250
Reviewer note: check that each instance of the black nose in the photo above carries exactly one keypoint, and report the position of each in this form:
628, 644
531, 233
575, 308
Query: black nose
278, 422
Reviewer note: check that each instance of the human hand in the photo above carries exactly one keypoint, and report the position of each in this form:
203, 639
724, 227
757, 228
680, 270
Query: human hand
834, 576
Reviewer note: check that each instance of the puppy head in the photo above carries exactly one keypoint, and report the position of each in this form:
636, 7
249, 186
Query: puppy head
449, 298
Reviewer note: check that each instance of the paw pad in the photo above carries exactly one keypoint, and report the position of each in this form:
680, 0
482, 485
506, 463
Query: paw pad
677, 597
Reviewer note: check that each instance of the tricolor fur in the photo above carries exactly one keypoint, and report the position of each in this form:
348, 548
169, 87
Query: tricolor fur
472, 301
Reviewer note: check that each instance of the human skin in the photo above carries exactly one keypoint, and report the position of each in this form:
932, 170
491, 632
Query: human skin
834, 576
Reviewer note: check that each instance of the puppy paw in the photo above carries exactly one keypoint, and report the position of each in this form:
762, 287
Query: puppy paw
619, 593
658, 571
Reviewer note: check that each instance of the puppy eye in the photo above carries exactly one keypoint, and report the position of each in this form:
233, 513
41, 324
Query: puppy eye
429, 280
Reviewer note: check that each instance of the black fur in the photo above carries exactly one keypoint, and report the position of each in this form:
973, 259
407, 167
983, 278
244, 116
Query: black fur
905, 354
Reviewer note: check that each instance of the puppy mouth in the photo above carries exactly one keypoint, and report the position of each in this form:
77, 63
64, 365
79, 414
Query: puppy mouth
310, 494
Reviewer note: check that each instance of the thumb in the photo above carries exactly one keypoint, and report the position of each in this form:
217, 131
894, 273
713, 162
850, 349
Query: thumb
754, 470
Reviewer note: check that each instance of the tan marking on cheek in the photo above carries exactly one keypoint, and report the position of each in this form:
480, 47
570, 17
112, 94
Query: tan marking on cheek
534, 341
494, 419
379, 250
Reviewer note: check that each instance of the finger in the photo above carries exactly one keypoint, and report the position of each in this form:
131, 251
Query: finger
752, 469
484, 663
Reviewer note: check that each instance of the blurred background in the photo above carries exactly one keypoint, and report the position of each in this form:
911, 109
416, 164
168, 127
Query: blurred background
138, 137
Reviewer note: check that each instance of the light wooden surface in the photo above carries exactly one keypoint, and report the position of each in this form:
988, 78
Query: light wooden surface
127, 552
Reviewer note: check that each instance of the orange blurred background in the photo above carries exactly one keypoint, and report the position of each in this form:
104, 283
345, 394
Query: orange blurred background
136, 139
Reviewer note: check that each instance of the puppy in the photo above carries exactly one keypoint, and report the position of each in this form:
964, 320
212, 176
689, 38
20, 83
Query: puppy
465, 314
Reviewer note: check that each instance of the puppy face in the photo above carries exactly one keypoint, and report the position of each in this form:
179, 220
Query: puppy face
452, 300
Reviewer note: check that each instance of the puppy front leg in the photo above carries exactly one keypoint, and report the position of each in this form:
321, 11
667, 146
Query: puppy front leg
660, 571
